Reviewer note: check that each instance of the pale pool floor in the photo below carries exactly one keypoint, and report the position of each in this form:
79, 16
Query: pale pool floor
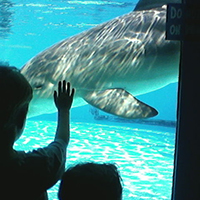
144, 156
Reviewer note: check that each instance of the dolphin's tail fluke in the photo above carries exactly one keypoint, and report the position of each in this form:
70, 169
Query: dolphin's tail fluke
121, 103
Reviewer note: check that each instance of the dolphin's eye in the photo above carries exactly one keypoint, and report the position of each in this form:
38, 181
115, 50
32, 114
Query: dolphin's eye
38, 83
37, 86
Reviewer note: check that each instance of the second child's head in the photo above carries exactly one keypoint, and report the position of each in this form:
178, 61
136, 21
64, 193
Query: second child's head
91, 181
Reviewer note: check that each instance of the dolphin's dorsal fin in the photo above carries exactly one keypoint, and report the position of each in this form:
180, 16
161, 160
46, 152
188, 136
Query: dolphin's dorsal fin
121, 103
149, 4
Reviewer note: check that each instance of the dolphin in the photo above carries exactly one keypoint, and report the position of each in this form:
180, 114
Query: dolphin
109, 64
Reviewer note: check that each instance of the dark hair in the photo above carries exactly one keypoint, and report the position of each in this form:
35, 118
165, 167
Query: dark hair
15, 92
91, 181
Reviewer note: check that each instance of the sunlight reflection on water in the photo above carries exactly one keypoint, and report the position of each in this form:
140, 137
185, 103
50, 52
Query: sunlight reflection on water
144, 157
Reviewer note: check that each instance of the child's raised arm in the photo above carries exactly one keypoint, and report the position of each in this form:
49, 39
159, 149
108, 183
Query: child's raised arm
63, 100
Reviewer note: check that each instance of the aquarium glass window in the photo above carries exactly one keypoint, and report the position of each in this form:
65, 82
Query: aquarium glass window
125, 75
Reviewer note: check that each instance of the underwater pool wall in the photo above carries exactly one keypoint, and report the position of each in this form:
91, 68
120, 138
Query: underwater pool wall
187, 152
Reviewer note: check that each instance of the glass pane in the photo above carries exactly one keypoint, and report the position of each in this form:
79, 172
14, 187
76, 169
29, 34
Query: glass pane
143, 149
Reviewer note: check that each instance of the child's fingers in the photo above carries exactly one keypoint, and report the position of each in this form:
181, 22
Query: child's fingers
64, 86
55, 96
73, 91
59, 88
68, 88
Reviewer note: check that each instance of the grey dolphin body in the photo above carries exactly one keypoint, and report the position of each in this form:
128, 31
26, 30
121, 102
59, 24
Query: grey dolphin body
109, 65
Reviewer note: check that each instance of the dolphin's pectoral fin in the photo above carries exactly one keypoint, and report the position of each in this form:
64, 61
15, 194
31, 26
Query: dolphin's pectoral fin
121, 103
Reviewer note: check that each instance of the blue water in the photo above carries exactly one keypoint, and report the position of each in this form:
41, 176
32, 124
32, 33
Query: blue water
143, 153
36, 25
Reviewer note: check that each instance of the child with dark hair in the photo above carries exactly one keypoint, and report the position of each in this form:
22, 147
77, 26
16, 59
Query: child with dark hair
91, 181
27, 176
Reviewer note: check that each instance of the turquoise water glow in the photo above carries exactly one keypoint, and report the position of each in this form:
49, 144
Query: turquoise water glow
143, 154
